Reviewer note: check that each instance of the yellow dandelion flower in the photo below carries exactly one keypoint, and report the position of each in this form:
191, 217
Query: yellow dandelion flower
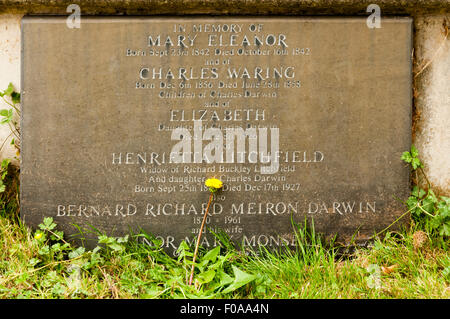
213, 184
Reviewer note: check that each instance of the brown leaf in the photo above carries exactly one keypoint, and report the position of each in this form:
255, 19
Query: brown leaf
419, 239
388, 270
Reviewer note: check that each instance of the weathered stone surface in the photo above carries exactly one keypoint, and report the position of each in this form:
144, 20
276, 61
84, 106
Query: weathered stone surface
432, 91
9, 73
97, 127
224, 7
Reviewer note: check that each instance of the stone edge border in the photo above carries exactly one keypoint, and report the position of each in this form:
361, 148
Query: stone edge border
225, 7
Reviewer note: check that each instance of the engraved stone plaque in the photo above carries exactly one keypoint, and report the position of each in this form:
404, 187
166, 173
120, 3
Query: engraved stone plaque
123, 119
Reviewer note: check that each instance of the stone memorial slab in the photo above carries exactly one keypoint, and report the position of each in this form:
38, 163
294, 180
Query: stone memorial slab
123, 119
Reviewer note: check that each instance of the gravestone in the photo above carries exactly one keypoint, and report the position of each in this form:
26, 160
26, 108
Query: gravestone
123, 119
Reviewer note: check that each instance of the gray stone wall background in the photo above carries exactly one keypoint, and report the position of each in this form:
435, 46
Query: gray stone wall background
431, 110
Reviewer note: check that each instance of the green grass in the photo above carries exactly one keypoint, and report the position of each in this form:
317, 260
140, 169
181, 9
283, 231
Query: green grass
413, 263
417, 273
126, 269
